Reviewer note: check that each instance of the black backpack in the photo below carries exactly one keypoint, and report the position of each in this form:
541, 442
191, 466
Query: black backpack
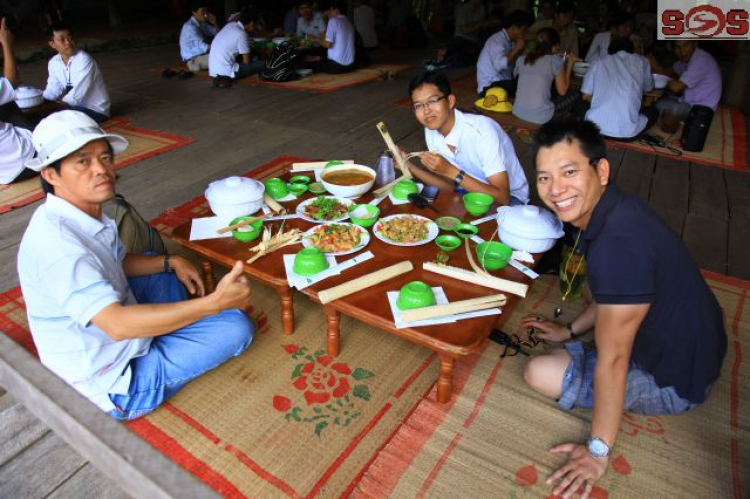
280, 64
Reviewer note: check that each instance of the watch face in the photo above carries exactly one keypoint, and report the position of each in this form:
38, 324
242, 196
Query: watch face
597, 447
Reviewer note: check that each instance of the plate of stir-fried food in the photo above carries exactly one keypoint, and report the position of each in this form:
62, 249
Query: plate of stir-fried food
406, 230
336, 239
324, 209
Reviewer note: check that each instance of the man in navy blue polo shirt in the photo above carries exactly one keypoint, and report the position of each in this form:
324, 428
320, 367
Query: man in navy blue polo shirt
659, 331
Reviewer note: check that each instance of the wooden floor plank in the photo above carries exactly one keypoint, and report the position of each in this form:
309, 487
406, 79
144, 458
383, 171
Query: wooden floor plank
708, 192
88, 482
635, 173
19, 429
671, 185
738, 193
706, 240
50, 461
738, 252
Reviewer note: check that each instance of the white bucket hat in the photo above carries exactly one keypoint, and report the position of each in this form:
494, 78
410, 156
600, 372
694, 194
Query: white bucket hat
65, 132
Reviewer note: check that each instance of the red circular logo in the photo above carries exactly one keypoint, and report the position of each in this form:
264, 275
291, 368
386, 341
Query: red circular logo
705, 21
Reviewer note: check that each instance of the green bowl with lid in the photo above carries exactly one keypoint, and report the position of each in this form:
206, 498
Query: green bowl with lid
416, 294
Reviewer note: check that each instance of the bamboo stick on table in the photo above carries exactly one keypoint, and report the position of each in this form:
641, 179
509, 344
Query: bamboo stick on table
271, 203
459, 307
242, 224
365, 281
487, 281
315, 165
394, 150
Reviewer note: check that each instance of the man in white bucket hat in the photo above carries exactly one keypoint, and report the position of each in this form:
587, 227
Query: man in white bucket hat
117, 327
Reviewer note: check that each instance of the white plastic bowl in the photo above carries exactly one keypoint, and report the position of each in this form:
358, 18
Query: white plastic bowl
347, 191
660, 81
528, 228
27, 97
304, 72
235, 197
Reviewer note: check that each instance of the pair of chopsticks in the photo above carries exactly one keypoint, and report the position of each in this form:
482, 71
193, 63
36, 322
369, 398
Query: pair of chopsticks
236, 226
459, 307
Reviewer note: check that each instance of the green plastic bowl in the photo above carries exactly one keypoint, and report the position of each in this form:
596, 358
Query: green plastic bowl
276, 188
373, 213
465, 231
405, 187
477, 203
317, 188
310, 261
300, 179
446, 242
447, 223
248, 232
416, 294
493, 255
297, 189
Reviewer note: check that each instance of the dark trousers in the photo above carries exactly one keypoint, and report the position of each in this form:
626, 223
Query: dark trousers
11, 113
331, 67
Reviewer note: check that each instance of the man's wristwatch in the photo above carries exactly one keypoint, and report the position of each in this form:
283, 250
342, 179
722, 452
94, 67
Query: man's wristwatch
167, 267
569, 328
598, 447
458, 179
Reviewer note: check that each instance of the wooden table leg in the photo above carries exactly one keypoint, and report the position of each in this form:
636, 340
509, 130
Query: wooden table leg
287, 309
208, 276
445, 378
334, 319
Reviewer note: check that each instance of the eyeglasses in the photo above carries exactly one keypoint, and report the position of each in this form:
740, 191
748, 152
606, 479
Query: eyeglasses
513, 344
424, 106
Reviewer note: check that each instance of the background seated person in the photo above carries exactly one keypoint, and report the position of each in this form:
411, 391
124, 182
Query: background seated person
230, 57
310, 23
622, 27
615, 86
495, 64
563, 23
74, 77
471, 152
659, 331
196, 35
117, 327
699, 77
536, 71
339, 41
10, 113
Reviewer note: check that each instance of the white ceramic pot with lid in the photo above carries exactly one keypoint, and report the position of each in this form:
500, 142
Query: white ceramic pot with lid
234, 197
27, 97
528, 228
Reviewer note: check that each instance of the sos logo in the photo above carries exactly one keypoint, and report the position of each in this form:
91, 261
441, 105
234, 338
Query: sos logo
705, 21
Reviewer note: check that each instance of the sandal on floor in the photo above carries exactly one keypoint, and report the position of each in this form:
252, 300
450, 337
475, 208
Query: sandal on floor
185, 74
168, 73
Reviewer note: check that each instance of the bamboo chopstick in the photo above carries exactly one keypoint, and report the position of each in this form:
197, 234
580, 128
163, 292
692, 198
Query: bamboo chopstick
365, 281
249, 221
314, 165
459, 307
488, 281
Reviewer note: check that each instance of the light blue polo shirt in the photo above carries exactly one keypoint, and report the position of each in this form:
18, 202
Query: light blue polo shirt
70, 268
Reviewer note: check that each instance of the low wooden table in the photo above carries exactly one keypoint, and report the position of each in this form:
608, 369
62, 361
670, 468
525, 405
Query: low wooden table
450, 341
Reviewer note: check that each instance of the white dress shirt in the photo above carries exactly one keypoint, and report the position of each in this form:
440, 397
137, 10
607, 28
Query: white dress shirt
493, 65
340, 33
616, 84
15, 148
7, 93
83, 76
316, 27
482, 149
230, 42
193, 38
66, 287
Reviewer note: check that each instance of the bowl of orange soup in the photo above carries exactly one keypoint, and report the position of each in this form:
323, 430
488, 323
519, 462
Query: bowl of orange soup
347, 180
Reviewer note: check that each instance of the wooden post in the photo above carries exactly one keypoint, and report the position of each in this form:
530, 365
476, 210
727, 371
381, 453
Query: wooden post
115, 21
287, 309
445, 378
333, 331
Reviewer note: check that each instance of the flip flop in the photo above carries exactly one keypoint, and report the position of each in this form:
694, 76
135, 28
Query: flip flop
185, 74
168, 73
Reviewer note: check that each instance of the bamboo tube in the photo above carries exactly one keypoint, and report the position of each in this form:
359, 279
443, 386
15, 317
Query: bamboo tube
271, 203
242, 224
314, 165
459, 307
365, 281
386, 188
488, 281
394, 150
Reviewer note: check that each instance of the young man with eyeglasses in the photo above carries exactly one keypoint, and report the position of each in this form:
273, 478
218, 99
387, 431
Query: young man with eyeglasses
467, 152
659, 330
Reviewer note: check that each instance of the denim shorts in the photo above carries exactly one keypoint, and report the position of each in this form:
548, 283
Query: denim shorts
642, 396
